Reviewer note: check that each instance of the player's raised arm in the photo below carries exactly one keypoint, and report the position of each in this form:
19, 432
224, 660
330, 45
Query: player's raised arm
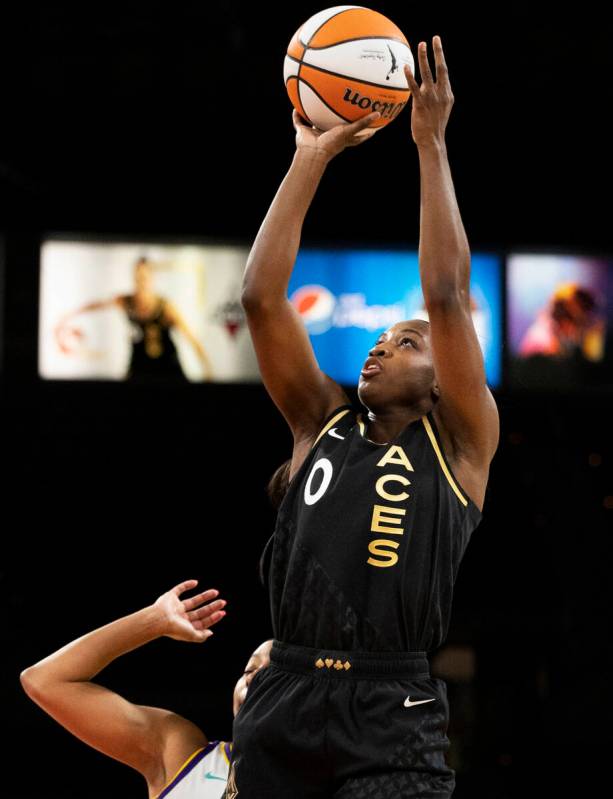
466, 408
301, 391
151, 740
176, 319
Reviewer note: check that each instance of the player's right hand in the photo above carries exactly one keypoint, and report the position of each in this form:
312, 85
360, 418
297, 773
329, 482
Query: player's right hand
189, 619
68, 338
332, 142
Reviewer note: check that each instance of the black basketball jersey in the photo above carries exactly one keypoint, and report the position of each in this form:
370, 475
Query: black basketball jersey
153, 351
368, 541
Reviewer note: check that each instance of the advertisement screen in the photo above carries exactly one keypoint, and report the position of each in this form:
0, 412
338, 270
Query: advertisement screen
348, 297
143, 312
172, 313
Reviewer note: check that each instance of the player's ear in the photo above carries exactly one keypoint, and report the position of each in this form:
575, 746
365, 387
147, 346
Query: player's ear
435, 392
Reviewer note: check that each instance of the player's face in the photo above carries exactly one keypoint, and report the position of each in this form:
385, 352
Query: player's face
143, 276
399, 368
581, 315
258, 660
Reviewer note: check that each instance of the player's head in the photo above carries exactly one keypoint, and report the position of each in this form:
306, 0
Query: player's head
258, 660
573, 308
143, 274
399, 369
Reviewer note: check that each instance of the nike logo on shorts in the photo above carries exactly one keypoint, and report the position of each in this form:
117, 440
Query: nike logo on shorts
408, 703
334, 434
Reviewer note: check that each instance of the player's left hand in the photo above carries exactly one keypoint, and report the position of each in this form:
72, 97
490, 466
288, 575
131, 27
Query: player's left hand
189, 619
432, 101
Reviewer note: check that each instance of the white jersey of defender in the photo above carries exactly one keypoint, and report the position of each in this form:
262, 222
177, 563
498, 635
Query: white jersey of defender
204, 775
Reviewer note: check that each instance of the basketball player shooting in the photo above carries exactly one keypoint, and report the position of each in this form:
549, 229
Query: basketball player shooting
380, 507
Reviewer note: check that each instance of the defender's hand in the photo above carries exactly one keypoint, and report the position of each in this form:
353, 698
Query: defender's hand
189, 619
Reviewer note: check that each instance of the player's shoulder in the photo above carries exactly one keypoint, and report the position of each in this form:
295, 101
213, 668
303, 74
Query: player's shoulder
466, 466
166, 305
306, 440
343, 414
124, 301
316, 410
203, 773
475, 442
179, 732
178, 740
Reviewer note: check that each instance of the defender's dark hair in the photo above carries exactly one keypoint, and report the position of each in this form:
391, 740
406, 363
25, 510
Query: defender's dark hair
276, 490
278, 484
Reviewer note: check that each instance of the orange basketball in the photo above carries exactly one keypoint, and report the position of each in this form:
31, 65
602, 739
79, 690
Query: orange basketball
346, 62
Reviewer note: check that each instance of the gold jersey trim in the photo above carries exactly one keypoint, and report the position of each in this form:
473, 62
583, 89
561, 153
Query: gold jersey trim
332, 422
441, 460
223, 749
362, 428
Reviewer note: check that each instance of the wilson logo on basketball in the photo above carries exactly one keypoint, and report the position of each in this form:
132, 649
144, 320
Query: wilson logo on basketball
387, 110
315, 304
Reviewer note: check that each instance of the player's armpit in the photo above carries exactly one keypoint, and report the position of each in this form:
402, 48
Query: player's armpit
303, 393
465, 407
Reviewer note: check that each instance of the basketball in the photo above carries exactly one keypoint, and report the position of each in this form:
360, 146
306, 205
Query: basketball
345, 62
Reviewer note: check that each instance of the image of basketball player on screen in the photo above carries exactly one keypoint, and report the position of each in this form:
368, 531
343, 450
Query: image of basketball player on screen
570, 325
152, 318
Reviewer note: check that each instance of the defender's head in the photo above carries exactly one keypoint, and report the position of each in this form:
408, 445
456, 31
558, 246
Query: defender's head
258, 660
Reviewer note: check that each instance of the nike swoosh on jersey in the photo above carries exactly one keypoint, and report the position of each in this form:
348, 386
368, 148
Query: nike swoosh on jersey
335, 435
210, 776
408, 703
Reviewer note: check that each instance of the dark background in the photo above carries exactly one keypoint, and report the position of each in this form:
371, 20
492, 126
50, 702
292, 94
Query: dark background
172, 121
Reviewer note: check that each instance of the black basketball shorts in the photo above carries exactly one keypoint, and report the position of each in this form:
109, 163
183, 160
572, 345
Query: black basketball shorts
350, 725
